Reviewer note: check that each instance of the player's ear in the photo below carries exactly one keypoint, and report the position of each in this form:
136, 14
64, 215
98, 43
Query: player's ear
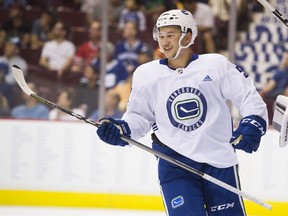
187, 39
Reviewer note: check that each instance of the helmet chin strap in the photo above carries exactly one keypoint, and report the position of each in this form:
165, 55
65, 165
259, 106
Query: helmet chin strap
182, 47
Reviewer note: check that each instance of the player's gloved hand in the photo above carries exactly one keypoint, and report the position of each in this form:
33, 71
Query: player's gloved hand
251, 128
111, 129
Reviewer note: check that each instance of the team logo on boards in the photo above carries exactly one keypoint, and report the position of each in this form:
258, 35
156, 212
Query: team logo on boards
187, 108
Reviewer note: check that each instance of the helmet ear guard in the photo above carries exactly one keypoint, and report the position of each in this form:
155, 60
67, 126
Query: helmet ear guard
155, 33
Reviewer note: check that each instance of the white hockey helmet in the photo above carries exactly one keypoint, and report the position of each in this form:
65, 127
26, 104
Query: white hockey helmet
182, 18
176, 17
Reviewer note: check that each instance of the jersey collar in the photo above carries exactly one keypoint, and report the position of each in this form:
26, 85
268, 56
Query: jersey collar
164, 61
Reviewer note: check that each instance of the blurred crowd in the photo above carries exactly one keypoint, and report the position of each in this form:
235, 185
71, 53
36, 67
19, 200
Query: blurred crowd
57, 44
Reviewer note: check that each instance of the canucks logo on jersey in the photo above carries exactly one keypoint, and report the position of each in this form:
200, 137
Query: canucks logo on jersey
187, 108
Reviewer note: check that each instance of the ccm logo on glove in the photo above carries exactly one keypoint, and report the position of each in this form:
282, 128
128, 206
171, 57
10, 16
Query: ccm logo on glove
255, 123
251, 129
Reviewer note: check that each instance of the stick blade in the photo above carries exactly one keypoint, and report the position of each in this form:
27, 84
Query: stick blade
19, 77
280, 119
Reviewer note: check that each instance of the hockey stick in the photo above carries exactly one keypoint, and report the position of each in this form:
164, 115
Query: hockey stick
19, 77
275, 12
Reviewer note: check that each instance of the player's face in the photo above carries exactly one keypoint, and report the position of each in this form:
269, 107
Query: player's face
169, 40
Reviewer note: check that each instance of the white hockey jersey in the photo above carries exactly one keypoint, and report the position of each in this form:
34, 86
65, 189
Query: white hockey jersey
187, 107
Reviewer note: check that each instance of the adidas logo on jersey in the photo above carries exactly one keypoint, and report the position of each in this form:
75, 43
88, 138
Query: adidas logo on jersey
207, 78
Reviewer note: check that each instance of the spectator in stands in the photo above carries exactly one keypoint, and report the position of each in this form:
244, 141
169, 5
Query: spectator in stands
277, 85
12, 57
41, 29
65, 100
123, 89
89, 51
31, 109
4, 107
88, 89
114, 10
17, 26
132, 12
152, 6
127, 50
115, 70
6, 89
145, 56
205, 22
155, 7
255, 6
244, 14
58, 53
87, 6
112, 100
10, 3
221, 12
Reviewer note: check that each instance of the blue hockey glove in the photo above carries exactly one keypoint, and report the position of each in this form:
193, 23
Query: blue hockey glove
111, 129
251, 128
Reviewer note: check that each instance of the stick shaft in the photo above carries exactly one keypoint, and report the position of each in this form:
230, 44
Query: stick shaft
53, 105
275, 12
267, 5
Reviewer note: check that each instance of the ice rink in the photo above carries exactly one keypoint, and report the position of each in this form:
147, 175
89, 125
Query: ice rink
39, 211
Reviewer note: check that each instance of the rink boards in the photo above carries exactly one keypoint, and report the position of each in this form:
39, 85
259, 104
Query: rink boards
64, 164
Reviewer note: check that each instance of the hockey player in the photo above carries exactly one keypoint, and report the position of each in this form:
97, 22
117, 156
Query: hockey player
183, 99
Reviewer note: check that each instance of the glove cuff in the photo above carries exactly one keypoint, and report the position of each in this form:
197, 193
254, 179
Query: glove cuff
255, 121
120, 124
124, 127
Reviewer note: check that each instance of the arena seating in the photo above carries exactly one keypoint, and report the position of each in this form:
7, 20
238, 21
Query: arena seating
78, 33
259, 50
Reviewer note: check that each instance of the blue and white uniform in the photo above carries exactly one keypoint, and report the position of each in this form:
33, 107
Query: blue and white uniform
187, 109
128, 54
115, 73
